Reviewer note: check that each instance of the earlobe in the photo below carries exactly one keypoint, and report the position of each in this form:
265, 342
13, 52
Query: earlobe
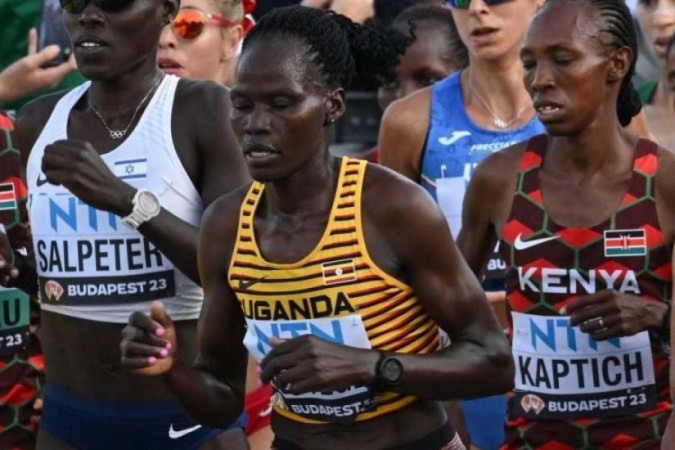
336, 104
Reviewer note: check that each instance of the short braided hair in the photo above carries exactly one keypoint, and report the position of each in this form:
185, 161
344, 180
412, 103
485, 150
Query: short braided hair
339, 47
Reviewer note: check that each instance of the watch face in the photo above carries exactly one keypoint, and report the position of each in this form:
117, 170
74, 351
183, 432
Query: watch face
148, 202
392, 370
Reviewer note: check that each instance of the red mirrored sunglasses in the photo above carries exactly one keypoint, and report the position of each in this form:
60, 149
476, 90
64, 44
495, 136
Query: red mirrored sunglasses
189, 23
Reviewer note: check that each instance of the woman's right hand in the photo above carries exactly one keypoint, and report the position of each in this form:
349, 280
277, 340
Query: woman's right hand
148, 342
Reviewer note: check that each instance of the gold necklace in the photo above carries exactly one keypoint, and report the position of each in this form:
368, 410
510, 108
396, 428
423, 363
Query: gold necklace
496, 120
119, 134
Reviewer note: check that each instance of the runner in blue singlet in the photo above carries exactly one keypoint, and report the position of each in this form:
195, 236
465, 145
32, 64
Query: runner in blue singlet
439, 135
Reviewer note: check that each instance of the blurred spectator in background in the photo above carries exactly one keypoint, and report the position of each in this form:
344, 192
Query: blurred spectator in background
657, 21
27, 76
203, 40
19, 16
438, 135
434, 53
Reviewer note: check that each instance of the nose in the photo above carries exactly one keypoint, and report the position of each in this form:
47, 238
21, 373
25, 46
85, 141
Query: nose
257, 121
478, 7
167, 39
539, 78
90, 15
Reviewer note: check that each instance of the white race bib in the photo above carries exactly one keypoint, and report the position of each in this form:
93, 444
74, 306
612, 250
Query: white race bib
339, 407
562, 372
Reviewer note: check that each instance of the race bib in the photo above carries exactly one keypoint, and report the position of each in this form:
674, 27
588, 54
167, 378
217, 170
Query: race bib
86, 256
563, 373
14, 320
337, 407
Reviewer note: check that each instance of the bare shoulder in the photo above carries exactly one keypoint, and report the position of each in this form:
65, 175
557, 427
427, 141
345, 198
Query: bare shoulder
498, 171
389, 197
403, 131
410, 115
222, 215
32, 119
200, 94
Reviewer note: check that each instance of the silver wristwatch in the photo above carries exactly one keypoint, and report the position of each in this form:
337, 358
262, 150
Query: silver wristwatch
146, 207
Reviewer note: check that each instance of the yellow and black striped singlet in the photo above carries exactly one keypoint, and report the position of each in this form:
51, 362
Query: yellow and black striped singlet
335, 281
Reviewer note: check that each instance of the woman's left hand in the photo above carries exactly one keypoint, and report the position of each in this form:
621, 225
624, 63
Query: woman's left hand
608, 314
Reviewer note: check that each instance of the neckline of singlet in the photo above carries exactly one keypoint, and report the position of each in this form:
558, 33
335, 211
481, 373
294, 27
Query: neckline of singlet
538, 144
340, 185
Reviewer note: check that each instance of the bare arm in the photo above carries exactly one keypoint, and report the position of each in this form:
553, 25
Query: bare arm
212, 390
487, 198
453, 297
221, 170
402, 133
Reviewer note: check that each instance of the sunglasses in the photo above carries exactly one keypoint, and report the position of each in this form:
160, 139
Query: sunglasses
189, 23
77, 6
464, 4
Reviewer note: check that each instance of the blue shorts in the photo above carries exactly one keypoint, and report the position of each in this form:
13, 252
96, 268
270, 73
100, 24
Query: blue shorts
485, 419
89, 424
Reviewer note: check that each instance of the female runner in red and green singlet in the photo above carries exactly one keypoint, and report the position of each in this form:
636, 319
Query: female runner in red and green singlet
586, 218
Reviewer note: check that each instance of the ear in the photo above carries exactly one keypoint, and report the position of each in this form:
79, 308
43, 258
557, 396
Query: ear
619, 64
169, 10
232, 36
336, 103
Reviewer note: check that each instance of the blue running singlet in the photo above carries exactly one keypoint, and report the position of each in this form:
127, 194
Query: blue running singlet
454, 147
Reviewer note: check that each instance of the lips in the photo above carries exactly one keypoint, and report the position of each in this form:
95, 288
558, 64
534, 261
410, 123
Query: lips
90, 42
259, 154
482, 31
89, 46
661, 45
168, 63
484, 35
547, 110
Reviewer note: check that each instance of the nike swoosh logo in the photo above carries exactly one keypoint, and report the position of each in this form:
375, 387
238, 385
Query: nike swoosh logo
519, 244
41, 179
456, 136
173, 434
245, 285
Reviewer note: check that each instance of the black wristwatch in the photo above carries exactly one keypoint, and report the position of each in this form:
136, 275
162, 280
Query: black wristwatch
388, 372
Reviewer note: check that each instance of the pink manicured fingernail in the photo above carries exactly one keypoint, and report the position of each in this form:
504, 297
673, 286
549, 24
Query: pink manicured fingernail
152, 360
168, 346
164, 353
159, 331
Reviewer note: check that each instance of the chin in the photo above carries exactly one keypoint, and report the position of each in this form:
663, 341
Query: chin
267, 175
561, 129
96, 72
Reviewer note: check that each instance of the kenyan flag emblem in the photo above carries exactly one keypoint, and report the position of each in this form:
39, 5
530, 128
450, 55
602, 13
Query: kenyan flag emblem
7, 197
625, 243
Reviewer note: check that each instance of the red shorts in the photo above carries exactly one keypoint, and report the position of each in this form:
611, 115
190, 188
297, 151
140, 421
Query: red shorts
258, 406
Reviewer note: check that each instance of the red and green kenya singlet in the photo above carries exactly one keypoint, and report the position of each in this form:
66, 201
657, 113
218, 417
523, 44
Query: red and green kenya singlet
572, 392
21, 363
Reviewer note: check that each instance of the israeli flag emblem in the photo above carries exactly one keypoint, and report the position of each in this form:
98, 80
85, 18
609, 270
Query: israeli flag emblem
131, 169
